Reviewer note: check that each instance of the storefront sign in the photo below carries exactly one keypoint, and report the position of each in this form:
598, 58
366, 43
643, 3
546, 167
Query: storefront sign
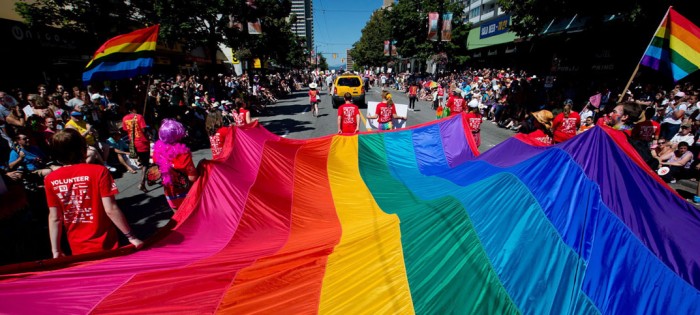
495, 27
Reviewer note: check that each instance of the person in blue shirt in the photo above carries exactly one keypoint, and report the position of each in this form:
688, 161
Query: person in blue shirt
27, 157
121, 148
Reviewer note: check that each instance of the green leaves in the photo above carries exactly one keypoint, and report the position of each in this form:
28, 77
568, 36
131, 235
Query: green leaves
407, 24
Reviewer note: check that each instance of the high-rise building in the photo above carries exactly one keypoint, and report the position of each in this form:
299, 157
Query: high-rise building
387, 4
304, 24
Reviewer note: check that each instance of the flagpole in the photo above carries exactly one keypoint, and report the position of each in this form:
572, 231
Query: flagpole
622, 95
145, 101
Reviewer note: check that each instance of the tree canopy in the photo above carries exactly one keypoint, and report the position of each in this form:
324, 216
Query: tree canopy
407, 24
205, 23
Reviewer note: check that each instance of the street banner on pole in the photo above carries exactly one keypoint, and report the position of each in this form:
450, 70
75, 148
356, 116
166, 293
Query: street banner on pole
433, 26
254, 28
447, 27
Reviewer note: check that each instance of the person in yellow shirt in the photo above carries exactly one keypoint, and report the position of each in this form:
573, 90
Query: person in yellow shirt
94, 156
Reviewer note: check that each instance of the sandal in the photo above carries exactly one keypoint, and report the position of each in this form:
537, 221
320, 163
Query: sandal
131, 171
143, 188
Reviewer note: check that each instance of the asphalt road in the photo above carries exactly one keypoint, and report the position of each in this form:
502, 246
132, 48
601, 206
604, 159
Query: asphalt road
291, 118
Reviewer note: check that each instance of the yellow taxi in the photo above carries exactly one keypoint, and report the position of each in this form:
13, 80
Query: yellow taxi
351, 83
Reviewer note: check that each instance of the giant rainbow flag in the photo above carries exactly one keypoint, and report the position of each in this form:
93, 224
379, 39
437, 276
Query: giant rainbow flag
412, 221
124, 56
675, 48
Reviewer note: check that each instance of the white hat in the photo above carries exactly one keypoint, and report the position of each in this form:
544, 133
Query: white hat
458, 91
473, 103
313, 85
95, 97
197, 97
680, 94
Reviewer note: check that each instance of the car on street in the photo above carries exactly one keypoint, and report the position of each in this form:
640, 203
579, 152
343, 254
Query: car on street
351, 83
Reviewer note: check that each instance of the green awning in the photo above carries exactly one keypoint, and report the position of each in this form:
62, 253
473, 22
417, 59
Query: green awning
474, 42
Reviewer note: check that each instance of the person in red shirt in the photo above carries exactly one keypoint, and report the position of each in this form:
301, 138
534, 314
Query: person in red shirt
174, 161
538, 127
217, 133
566, 123
412, 96
385, 113
648, 130
441, 95
241, 115
474, 120
80, 197
313, 99
456, 103
135, 127
348, 116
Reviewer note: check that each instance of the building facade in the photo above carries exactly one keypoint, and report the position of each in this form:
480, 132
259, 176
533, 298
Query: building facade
304, 24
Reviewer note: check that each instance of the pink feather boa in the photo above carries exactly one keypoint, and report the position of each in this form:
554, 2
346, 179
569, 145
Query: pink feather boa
164, 155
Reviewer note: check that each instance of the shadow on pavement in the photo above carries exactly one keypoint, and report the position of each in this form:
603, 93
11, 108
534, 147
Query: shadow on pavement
279, 126
146, 214
291, 109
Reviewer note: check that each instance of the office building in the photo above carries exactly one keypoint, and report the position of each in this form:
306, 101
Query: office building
304, 24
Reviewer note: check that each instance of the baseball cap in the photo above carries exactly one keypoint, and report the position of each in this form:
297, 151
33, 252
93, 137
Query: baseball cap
95, 96
680, 94
473, 104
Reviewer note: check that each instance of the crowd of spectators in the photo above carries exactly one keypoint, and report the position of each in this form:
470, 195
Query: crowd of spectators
119, 123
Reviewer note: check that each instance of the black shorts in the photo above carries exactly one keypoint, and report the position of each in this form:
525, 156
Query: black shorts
144, 158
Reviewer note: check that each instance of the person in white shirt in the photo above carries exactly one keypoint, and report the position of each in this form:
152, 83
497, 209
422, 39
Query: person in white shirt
684, 135
674, 116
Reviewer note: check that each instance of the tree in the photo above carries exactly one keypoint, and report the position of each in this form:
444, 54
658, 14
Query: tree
322, 63
407, 24
195, 23
410, 29
369, 50
530, 17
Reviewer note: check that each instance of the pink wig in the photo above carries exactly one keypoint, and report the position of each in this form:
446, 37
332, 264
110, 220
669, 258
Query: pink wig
171, 131
168, 147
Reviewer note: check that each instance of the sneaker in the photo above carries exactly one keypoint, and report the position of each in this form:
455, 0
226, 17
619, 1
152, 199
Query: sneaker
673, 181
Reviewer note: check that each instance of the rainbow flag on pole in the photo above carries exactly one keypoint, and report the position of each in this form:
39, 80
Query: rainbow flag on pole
124, 56
675, 48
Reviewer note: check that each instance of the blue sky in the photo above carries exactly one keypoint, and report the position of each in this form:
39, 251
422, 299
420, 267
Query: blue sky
338, 24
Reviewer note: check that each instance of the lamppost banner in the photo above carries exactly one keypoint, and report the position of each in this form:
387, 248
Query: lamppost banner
433, 26
447, 27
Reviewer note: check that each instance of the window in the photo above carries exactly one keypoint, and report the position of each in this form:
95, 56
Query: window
351, 82
475, 12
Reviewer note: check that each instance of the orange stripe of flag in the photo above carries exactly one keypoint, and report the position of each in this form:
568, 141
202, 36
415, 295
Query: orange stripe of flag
143, 35
681, 21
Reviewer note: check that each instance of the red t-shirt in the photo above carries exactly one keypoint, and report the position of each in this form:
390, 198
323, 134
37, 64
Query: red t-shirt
77, 191
348, 117
240, 117
413, 91
565, 128
440, 91
217, 142
456, 105
540, 136
474, 120
141, 142
385, 113
312, 95
646, 130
